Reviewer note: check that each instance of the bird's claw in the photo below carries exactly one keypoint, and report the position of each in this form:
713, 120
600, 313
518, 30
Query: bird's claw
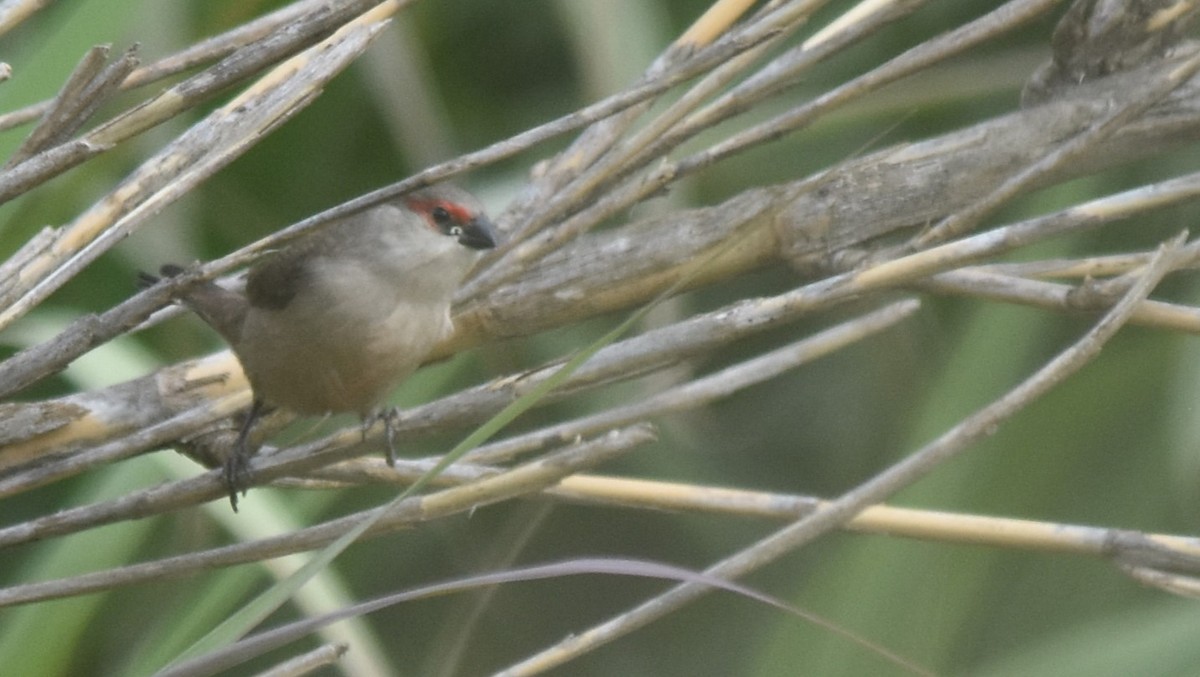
390, 417
237, 475
236, 470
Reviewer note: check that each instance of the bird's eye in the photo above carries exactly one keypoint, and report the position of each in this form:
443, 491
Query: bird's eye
440, 215
456, 231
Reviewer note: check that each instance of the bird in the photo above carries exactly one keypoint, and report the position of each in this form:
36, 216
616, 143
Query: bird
336, 319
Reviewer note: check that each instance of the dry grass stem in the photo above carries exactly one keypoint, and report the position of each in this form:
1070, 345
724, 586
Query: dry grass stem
852, 248
527, 478
875, 490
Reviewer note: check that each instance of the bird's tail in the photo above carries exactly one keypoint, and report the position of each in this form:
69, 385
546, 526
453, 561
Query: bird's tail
221, 308
146, 280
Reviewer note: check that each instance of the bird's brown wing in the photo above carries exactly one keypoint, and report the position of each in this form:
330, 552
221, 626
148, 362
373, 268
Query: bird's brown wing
274, 282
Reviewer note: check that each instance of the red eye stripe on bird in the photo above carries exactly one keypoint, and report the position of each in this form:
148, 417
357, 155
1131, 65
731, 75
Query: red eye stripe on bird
440, 212
454, 214
334, 321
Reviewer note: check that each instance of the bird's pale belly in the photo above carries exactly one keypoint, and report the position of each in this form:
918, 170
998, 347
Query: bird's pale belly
346, 367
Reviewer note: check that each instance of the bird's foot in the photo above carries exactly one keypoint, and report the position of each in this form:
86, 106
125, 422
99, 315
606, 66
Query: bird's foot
237, 474
390, 417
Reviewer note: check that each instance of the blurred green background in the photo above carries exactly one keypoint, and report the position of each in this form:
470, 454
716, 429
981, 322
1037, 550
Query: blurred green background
1115, 446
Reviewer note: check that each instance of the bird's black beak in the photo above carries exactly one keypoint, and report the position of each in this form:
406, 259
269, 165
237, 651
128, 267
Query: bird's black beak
479, 233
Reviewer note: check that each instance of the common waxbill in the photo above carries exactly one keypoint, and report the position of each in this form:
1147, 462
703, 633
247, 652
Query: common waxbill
335, 320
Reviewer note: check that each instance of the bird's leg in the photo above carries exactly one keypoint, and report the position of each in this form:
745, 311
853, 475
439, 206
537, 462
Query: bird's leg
237, 463
390, 416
